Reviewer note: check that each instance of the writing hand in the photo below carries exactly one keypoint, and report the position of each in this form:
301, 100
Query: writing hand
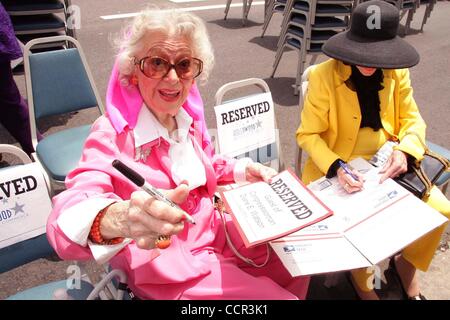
349, 184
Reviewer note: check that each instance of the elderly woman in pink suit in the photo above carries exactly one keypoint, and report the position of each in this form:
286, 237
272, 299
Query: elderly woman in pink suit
155, 125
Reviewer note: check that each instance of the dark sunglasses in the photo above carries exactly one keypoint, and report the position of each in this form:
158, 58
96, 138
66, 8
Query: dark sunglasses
157, 68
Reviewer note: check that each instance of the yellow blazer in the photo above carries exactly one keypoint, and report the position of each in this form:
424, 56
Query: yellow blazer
331, 116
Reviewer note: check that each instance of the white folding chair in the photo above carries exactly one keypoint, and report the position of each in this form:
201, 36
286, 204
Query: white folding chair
271, 154
301, 101
26, 251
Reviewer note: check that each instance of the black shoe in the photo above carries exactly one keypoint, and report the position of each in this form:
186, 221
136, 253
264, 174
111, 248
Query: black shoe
418, 297
405, 295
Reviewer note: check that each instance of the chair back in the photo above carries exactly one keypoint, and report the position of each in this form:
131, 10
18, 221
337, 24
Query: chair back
29, 250
269, 154
58, 82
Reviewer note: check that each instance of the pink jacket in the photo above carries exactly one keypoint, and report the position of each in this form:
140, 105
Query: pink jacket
95, 177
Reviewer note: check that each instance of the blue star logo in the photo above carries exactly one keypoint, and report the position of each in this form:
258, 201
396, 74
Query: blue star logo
18, 208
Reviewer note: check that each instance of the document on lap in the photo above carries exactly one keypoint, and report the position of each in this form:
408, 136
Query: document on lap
366, 227
266, 211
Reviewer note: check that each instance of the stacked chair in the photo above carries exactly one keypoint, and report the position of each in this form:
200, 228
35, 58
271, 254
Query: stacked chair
273, 6
37, 19
408, 7
429, 7
246, 5
306, 26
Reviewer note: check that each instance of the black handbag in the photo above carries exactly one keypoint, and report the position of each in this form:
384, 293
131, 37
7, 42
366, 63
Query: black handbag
422, 175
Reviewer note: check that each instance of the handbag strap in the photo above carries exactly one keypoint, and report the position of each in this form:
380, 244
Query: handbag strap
220, 206
445, 162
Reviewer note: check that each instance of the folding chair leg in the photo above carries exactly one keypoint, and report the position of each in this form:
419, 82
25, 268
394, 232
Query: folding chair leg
278, 56
283, 31
314, 58
227, 8
244, 8
408, 20
444, 188
300, 68
248, 8
298, 159
426, 15
266, 23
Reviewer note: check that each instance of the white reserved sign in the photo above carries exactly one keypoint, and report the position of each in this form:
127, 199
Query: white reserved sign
24, 204
245, 124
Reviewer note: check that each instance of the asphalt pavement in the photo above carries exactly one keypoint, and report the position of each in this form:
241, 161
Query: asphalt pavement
241, 53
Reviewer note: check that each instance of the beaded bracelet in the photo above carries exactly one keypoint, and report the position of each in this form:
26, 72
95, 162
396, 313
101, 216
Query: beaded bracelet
95, 235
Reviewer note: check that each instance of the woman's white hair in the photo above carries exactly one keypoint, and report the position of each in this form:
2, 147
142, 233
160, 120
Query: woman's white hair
168, 21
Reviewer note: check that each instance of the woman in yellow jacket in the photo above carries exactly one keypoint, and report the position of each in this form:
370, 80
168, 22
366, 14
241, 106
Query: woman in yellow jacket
355, 103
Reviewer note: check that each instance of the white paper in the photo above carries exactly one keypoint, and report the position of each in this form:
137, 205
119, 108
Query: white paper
24, 204
321, 255
366, 227
245, 124
267, 211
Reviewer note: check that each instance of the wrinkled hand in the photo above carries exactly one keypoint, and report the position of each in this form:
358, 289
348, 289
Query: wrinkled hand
348, 183
143, 218
395, 166
255, 172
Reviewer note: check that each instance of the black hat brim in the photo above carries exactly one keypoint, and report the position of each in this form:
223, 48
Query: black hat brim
393, 53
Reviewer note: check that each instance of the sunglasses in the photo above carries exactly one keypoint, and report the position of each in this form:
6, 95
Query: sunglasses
157, 68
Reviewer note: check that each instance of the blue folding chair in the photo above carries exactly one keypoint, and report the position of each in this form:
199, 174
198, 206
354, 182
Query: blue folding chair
59, 82
23, 252
32, 249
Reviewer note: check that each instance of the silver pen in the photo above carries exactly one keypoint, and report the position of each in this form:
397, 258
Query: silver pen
139, 180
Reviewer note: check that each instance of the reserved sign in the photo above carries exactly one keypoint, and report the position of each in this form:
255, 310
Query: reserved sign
245, 124
24, 203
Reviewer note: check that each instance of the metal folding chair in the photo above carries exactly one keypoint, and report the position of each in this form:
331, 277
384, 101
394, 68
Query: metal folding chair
270, 155
307, 25
246, 5
59, 82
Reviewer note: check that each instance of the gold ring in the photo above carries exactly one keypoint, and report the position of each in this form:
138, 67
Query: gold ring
162, 242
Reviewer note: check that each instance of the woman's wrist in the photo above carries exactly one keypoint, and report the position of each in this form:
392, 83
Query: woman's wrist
113, 222
107, 227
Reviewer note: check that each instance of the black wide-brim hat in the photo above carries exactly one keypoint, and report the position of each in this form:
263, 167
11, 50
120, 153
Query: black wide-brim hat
372, 39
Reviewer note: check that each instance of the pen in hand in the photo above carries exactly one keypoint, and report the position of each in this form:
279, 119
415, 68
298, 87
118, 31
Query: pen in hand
347, 170
137, 179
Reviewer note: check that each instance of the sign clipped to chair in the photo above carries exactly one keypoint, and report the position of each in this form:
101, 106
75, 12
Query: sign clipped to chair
24, 203
246, 125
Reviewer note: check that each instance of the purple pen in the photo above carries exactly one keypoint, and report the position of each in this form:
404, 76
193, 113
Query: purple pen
347, 170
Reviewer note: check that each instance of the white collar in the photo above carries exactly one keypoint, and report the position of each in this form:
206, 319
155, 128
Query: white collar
148, 128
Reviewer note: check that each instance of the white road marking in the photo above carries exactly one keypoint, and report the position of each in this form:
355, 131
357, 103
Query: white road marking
201, 8
184, 1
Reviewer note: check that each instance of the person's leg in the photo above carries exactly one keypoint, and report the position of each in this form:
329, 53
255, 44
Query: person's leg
14, 111
274, 269
229, 282
362, 281
420, 253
